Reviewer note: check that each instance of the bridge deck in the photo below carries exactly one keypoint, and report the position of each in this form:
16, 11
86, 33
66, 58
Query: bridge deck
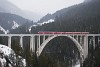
44, 34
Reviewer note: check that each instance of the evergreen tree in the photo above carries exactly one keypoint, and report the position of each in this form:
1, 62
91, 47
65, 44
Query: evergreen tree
17, 48
30, 58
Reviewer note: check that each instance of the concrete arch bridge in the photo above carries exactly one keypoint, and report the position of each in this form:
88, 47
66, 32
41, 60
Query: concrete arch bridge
39, 41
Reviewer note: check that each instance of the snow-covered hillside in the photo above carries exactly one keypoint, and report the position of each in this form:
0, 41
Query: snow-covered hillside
3, 30
39, 24
45, 22
6, 50
8, 57
15, 25
4, 55
11, 21
77, 65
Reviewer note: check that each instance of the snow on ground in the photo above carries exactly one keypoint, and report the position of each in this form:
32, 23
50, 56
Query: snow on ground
3, 61
31, 27
2, 29
77, 65
6, 50
9, 53
24, 62
45, 22
51, 20
15, 25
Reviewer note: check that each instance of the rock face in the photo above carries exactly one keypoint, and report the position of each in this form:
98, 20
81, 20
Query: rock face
8, 58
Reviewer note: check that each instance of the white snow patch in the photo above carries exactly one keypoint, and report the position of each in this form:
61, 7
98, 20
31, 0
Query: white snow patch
77, 65
31, 27
6, 50
45, 22
3, 61
51, 20
2, 29
15, 25
24, 62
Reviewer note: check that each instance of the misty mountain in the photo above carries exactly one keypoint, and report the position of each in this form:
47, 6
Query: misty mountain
8, 7
32, 15
81, 17
56, 14
11, 21
46, 18
67, 11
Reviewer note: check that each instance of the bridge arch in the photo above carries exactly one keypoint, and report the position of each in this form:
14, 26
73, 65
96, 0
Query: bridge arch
40, 49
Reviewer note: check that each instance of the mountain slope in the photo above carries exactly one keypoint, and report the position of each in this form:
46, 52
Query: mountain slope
67, 10
82, 17
8, 7
8, 56
56, 14
11, 21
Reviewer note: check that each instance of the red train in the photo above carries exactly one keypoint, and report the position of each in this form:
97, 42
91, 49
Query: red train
47, 32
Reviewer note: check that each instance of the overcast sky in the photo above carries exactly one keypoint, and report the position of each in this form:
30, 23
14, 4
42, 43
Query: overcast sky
44, 6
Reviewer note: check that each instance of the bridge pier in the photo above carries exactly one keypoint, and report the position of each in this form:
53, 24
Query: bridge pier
85, 46
9, 41
31, 43
80, 39
34, 44
38, 42
94, 42
77, 37
43, 38
21, 41
98, 40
